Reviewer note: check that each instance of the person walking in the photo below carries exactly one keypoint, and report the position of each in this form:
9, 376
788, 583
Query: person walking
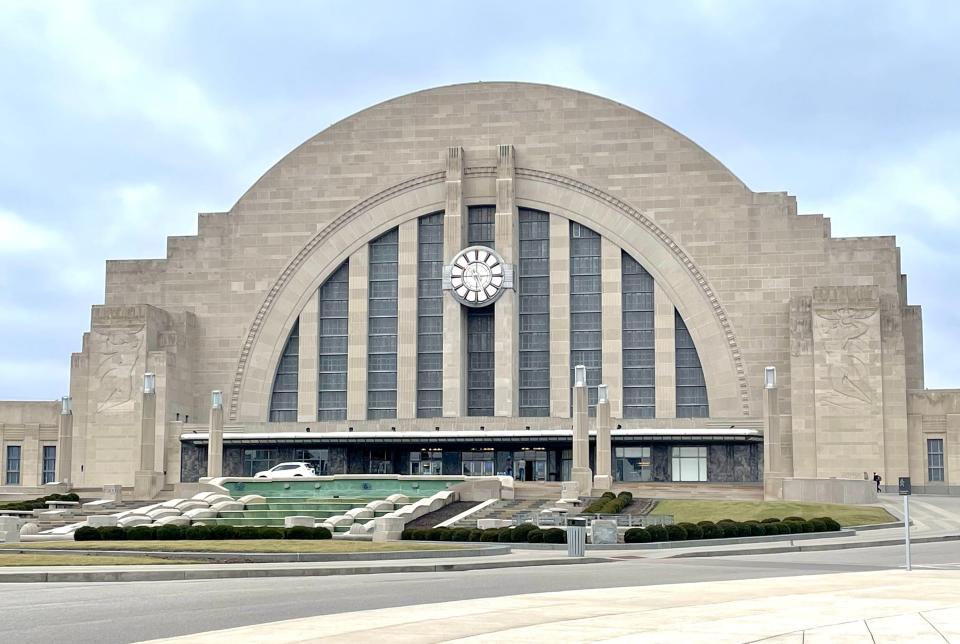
877, 479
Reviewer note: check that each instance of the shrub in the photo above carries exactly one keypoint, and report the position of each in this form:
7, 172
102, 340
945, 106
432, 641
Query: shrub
793, 525
112, 533
439, 534
770, 520
693, 531
490, 534
319, 532
818, 525
522, 531
636, 535
554, 535
221, 532
725, 521
626, 495
608, 495
769, 528
475, 534
710, 530
197, 532
806, 526
784, 528
729, 530
86, 533
247, 532
535, 536
657, 533
757, 529
794, 519
703, 524
832, 525
169, 533
406, 535
460, 534
142, 533
269, 532
295, 532
421, 534
506, 535
676, 532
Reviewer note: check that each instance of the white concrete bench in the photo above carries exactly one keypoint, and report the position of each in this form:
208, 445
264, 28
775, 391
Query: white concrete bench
63, 505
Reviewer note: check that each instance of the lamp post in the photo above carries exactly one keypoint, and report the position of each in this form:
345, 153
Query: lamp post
581, 473
215, 441
603, 480
65, 441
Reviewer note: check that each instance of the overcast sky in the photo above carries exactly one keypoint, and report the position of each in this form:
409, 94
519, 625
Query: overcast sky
120, 121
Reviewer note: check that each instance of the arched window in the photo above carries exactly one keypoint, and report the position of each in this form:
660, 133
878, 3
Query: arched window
283, 400
691, 386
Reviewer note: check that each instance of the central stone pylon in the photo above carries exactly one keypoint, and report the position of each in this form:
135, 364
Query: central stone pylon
581, 474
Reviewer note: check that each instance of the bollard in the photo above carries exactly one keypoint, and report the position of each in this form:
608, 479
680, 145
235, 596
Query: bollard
576, 537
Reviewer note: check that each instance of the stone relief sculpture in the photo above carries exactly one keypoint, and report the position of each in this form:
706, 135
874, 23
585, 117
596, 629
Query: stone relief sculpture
848, 372
116, 368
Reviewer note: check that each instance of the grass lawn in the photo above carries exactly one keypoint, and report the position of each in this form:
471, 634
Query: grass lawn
18, 559
239, 545
692, 511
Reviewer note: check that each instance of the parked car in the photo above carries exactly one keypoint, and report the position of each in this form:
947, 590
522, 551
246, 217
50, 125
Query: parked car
285, 470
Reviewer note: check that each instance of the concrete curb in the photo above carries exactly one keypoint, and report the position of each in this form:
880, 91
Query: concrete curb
278, 557
229, 572
818, 547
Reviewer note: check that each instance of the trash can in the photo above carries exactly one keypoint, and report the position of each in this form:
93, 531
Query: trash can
576, 537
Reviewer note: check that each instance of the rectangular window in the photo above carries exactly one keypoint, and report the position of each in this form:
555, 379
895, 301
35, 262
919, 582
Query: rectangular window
333, 326
689, 463
479, 463
13, 465
382, 330
258, 460
639, 389
49, 469
480, 366
691, 386
430, 316
586, 333
318, 458
935, 460
481, 227
533, 292
633, 464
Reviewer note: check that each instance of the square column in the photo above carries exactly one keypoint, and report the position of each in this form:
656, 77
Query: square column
581, 473
454, 320
407, 321
559, 317
665, 354
147, 481
603, 480
65, 442
506, 356
612, 324
358, 308
308, 360
215, 442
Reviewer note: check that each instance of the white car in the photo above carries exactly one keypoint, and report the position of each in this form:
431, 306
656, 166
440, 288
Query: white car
286, 470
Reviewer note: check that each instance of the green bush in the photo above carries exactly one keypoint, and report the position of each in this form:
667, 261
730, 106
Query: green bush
169, 533
729, 530
406, 534
197, 532
295, 532
636, 535
319, 532
608, 495
725, 521
675, 532
710, 530
522, 531
806, 526
112, 533
693, 530
794, 519
439, 534
554, 535
475, 534
506, 535
247, 532
657, 533
490, 534
784, 528
626, 495
269, 532
832, 525
793, 525
142, 533
535, 536
460, 534
704, 524
86, 533
757, 529
818, 525
770, 520
420, 534
769, 528
222, 532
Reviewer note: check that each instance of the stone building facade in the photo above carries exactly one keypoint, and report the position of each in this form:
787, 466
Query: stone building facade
327, 307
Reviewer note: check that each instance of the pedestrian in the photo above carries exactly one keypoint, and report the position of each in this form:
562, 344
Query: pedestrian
877, 479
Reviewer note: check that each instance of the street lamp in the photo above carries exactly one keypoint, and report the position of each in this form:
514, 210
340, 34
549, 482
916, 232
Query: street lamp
66, 405
216, 399
579, 376
149, 383
770, 377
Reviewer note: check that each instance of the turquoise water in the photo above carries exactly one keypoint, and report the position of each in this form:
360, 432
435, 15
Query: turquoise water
368, 489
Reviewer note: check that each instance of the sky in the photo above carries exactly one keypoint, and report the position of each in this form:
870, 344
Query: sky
120, 121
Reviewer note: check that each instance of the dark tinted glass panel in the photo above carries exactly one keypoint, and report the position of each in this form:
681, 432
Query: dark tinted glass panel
333, 325
430, 316
533, 291
638, 356
586, 335
283, 399
382, 327
691, 387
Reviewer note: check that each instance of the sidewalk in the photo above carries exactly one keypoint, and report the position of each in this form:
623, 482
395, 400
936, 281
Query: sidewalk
887, 606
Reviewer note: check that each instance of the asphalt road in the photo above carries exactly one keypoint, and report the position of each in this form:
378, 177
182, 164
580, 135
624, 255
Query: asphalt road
125, 612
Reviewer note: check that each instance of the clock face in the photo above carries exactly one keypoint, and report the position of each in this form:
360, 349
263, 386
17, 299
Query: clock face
476, 276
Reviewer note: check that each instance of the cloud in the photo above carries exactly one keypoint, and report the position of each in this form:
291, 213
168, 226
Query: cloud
18, 236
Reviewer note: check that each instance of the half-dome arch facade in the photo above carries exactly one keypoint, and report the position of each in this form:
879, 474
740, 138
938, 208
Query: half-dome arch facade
410, 290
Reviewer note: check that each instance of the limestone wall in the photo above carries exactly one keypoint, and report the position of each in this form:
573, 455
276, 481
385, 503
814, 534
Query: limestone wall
30, 425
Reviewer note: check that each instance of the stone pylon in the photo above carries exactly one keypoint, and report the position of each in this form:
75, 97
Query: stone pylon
581, 474
65, 442
215, 442
603, 480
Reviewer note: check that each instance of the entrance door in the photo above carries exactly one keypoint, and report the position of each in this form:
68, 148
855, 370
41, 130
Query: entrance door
539, 471
520, 470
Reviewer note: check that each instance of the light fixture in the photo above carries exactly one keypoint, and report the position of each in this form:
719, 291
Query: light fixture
602, 394
216, 399
770, 377
579, 376
149, 383
66, 405
349, 429
308, 430
619, 426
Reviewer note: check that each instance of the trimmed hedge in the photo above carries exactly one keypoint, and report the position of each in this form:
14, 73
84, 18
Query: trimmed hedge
86, 533
164, 533
554, 535
38, 504
198, 532
610, 504
693, 531
636, 535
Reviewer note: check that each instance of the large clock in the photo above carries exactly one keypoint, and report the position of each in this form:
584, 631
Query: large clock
477, 276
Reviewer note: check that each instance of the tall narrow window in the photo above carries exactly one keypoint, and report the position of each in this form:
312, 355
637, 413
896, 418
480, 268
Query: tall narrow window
13, 465
332, 324
382, 329
49, 472
283, 400
534, 296
586, 336
691, 387
430, 316
480, 324
935, 460
639, 387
